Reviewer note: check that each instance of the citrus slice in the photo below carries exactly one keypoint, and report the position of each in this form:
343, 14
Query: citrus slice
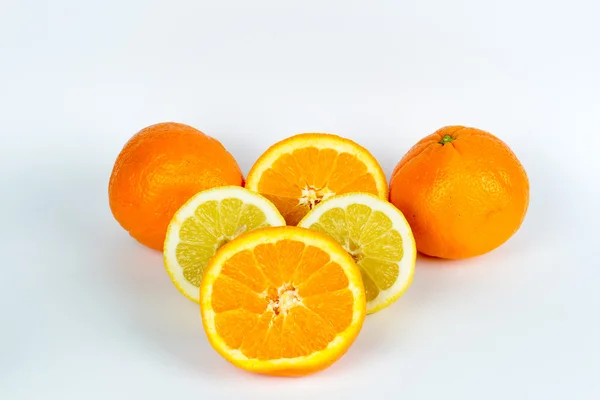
299, 172
282, 301
206, 222
378, 238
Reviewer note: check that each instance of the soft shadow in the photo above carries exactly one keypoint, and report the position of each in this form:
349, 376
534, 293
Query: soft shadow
162, 318
127, 288
430, 261
128, 292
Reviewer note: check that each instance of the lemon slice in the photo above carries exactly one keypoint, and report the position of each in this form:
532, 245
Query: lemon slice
205, 223
377, 236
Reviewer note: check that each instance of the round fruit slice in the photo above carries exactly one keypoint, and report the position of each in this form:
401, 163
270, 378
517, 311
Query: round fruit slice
206, 222
378, 238
299, 172
282, 301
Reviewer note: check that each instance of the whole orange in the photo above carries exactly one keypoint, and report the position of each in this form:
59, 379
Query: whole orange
158, 170
463, 191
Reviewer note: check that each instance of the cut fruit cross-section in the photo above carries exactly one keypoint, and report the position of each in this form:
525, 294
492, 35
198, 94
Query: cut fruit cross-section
282, 301
377, 236
298, 173
206, 222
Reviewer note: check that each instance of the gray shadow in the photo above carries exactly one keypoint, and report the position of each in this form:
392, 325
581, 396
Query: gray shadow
129, 290
127, 287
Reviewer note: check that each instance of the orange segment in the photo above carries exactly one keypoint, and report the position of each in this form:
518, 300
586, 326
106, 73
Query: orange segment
347, 169
307, 331
298, 173
289, 253
243, 268
230, 294
266, 256
282, 301
276, 184
306, 158
253, 341
333, 307
311, 261
287, 205
328, 279
364, 183
243, 319
274, 342
287, 167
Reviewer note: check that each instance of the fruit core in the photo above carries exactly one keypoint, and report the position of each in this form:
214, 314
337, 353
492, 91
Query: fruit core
286, 298
357, 257
311, 196
354, 251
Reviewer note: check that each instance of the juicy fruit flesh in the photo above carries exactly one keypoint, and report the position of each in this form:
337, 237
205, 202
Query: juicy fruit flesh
281, 300
300, 180
213, 224
369, 237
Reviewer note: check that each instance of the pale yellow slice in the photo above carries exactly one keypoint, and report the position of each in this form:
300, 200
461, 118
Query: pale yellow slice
377, 236
205, 223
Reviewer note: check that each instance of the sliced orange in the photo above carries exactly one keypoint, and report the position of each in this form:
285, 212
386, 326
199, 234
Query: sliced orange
299, 172
282, 301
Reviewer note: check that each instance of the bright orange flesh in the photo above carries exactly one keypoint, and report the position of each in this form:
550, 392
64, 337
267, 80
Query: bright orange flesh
462, 190
282, 301
301, 171
158, 170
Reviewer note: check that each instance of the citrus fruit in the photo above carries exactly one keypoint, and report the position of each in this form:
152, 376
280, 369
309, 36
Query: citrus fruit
463, 191
204, 223
282, 301
158, 170
303, 170
378, 238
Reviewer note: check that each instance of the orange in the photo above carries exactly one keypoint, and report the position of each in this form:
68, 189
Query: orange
158, 170
463, 191
282, 301
298, 173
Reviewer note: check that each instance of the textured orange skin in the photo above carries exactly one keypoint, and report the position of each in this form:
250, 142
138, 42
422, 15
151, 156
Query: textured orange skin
158, 170
463, 198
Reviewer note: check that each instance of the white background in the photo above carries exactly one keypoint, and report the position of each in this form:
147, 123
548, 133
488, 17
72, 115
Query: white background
87, 313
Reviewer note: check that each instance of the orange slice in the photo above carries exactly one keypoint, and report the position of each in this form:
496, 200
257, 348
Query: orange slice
282, 301
299, 172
